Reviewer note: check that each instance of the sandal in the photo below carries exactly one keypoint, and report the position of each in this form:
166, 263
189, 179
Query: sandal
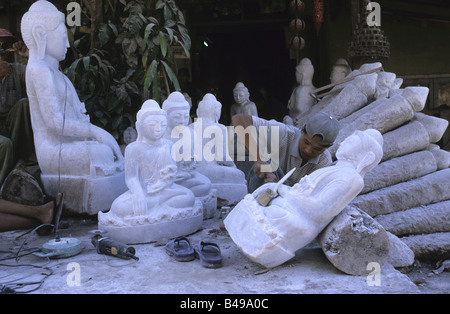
209, 254
180, 249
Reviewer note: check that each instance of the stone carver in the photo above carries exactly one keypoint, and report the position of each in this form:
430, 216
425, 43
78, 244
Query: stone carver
154, 208
242, 101
178, 131
215, 163
271, 235
82, 160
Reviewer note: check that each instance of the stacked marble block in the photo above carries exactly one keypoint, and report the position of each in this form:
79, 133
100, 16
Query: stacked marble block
408, 193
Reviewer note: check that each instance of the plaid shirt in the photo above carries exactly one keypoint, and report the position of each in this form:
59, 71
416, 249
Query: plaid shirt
12, 87
288, 147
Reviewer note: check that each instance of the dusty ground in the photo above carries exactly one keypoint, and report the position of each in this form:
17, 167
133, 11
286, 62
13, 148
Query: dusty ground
156, 272
429, 277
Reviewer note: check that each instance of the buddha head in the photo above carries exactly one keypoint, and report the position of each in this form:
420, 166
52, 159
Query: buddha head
339, 70
151, 121
177, 109
304, 72
241, 94
362, 149
44, 31
209, 108
129, 135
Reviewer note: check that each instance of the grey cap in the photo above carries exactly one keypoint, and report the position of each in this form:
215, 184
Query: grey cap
325, 125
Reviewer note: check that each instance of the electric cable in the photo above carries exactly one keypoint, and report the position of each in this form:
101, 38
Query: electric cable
14, 288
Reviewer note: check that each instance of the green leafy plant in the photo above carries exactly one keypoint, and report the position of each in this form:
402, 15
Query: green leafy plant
159, 38
133, 61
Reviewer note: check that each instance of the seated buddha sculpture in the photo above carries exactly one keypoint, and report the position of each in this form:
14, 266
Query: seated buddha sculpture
270, 235
215, 163
242, 104
79, 159
301, 100
179, 132
153, 202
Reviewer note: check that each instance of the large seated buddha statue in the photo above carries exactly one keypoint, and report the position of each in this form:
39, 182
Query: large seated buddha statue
75, 157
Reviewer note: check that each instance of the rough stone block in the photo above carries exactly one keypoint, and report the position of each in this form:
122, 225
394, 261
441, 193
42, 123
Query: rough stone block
353, 240
419, 220
431, 188
400, 255
399, 169
434, 246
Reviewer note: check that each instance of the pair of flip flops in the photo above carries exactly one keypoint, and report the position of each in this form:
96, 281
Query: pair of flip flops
181, 250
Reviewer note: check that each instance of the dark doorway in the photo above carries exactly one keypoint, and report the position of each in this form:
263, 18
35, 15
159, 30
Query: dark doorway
259, 59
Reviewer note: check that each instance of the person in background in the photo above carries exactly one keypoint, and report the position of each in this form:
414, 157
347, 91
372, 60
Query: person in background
16, 133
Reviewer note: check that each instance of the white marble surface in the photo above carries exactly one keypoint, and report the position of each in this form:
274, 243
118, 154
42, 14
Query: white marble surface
215, 162
154, 207
271, 235
182, 136
74, 155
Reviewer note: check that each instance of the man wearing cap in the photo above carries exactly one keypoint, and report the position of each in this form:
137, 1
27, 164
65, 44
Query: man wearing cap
305, 149
16, 135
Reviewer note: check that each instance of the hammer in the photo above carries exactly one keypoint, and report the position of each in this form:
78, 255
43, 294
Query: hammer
265, 196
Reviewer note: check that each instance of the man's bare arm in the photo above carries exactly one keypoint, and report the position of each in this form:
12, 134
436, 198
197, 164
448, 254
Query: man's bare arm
245, 121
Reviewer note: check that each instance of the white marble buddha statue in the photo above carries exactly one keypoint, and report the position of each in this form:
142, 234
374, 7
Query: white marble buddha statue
177, 109
215, 163
242, 104
340, 70
271, 235
129, 136
301, 100
153, 203
81, 159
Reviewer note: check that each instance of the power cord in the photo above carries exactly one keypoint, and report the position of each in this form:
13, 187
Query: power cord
14, 288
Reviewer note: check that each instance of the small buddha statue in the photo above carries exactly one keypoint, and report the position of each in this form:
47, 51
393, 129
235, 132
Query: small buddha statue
154, 202
242, 101
216, 164
81, 159
340, 70
129, 136
270, 235
301, 100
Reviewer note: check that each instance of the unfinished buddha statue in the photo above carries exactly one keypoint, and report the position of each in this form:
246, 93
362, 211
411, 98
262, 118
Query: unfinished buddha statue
75, 156
271, 235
